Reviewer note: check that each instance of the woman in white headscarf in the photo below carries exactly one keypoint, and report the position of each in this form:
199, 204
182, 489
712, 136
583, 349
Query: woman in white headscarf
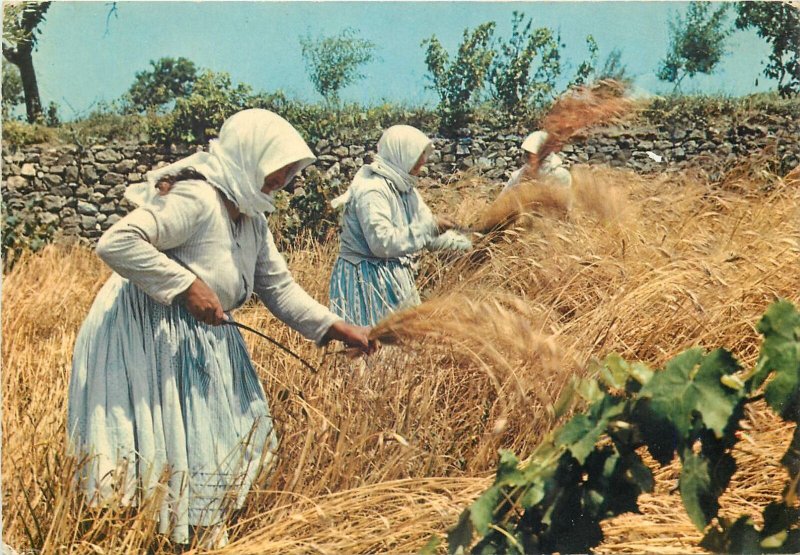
550, 168
384, 225
158, 384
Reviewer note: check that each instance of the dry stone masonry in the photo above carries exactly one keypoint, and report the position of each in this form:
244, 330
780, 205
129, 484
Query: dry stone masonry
80, 190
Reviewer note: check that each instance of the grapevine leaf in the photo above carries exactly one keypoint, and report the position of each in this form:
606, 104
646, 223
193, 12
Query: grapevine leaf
779, 326
689, 386
589, 390
459, 538
507, 471
701, 483
580, 434
778, 518
565, 400
783, 392
482, 510
737, 537
615, 371
780, 353
791, 460
639, 473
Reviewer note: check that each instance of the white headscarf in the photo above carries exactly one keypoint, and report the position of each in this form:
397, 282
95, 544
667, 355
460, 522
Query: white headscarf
533, 143
399, 149
252, 144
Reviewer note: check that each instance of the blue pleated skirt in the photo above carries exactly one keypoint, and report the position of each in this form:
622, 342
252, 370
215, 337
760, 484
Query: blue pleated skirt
160, 401
363, 293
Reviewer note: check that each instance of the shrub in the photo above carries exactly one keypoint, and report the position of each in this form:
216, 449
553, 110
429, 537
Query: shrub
18, 133
23, 231
198, 116
306, 213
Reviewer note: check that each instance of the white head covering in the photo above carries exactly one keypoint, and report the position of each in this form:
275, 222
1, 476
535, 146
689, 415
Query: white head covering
534, 141
252, 144
399, 149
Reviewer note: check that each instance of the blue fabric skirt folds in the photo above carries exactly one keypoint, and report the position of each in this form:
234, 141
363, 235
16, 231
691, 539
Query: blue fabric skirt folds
161, 402
363, 293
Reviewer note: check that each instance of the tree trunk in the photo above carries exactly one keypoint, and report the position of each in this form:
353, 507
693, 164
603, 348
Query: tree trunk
23, 59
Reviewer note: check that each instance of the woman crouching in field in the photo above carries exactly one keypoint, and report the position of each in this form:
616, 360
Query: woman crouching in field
158, 384
385, 224
547, 168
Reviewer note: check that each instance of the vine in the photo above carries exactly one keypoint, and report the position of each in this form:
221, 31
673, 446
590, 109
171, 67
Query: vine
590, 468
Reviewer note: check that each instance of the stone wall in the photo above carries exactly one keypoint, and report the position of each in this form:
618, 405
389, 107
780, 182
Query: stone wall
80, 190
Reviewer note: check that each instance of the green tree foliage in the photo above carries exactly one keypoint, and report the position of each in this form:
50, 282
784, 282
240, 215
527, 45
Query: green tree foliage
513, 81
20, 29
588, 68
156, 88
458, 81
12, 90
198, 116
697, 43
590, 469
779, 24
334, 62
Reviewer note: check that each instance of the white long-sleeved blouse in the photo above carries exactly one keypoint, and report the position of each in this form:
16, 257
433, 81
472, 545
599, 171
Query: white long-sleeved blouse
381, 223
164, 246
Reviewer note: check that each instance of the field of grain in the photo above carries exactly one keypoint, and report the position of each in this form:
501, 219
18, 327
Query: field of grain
378, 455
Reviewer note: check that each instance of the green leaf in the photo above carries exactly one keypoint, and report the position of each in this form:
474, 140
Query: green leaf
738, 537
690, 385
459, 538
791, 460
615, 371
780, 352
778, 518
580, 434
507, 471
701, 483
482, 510
589, 390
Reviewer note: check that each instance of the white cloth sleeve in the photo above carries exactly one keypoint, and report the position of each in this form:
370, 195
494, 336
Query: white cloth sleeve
281, 294
385, 238
132, 246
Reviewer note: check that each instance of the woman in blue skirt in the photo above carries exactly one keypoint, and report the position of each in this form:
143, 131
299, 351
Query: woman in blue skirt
384, 225
159, 387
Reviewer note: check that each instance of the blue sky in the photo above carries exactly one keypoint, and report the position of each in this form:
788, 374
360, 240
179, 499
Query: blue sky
81, 61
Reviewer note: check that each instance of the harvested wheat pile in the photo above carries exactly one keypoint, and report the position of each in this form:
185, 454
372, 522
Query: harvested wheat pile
378, 455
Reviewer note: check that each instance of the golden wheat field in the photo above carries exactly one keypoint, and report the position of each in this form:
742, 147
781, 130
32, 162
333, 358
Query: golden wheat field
378, 455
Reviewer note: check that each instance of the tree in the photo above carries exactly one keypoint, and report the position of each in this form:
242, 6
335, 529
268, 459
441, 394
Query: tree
588, 68
457, 82
169, 79
20, 28
511, 81
779, 24
697, 43
332, 63
12, 90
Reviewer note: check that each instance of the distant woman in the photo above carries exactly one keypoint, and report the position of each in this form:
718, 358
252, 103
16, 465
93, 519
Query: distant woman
384, 225
550, 168
158, 383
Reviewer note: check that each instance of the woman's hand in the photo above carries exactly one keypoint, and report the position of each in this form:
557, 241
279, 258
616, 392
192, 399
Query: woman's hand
352, 336
203, 303
444, 224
